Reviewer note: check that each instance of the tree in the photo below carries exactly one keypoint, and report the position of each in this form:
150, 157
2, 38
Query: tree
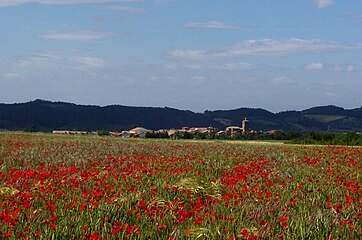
290, 135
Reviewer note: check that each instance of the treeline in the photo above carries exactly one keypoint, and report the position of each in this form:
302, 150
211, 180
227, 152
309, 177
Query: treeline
293, 137
328, 138
310, 137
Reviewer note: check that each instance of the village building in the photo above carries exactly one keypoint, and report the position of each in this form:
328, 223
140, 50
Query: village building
125, 134
195, 130
232, 130
221, 133
116, 134
139, 131
71, 132
171, 132
60, 132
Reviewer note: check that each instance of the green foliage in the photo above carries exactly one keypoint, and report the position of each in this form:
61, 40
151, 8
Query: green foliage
157, 135
295, 137
328, 138
103, 133
183, 135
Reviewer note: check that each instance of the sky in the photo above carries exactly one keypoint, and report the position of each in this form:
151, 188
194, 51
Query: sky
188, 54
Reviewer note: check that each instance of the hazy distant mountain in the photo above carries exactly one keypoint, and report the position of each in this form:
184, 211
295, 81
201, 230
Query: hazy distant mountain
40, 115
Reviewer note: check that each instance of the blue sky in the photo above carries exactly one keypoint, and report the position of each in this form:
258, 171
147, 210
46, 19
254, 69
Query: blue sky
188, 54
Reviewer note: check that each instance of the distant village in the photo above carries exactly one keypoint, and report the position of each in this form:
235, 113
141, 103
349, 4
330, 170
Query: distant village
242, 132
185, 132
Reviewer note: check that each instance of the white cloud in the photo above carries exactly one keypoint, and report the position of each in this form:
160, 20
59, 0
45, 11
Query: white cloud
225, 66
189, 54
265, 47
7, 3
11, 76
314, 66
199, 78
125, 9
281, 80
237, 66
48, 61
210, 25
170, 66
355, 15
38, 60
330, 94
344, 68
350, 68
154, 78
78, 35
163, 1
324, 3
89, 62
193, 66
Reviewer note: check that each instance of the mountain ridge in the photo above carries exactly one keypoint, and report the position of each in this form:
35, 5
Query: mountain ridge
43, 115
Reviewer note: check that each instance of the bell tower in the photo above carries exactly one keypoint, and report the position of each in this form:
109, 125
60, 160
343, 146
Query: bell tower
245, 126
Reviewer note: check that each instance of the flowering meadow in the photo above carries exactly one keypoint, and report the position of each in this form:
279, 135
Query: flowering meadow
78, 187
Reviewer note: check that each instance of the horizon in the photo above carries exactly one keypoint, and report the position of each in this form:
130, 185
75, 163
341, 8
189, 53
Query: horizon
277, 55
227, 109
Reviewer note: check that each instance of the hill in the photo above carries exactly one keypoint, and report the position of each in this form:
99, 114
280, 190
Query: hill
40, 115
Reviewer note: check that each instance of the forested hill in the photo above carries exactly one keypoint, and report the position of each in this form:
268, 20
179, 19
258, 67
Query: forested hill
325, 118
40, 115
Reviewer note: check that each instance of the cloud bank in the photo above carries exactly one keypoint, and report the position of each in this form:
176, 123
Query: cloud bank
314, 66
89, 62
281, 80
125, 9
324, 3
78, 35
265, 47
210, 25
8, 3
37, 60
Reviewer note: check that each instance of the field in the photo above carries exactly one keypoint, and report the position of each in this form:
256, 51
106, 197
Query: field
68, 187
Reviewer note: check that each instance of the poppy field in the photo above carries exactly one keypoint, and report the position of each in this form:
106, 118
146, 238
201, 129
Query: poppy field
79, 187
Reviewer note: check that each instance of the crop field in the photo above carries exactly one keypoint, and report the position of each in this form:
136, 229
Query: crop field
72, 187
